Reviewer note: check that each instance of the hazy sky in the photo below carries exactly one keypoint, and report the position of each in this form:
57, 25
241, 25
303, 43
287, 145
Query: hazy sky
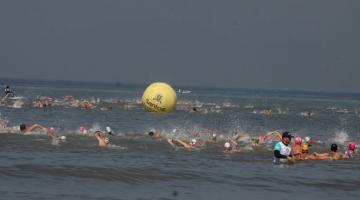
269, 44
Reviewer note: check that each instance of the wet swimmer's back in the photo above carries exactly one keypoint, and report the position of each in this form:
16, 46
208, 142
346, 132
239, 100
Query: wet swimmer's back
333, 155
336, 155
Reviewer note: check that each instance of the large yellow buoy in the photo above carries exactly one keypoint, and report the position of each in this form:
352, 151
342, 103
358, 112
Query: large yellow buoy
159, 97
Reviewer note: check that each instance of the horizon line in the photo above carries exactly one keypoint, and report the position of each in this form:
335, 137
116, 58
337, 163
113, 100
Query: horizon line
121, 84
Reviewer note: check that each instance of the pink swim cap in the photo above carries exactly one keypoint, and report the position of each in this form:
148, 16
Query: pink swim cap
352, 146
298, 140
82, 129
51, 130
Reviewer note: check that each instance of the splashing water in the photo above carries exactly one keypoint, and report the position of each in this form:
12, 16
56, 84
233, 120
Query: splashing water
341, 137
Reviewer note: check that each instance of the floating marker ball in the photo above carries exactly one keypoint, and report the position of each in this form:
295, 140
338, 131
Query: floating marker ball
159, 97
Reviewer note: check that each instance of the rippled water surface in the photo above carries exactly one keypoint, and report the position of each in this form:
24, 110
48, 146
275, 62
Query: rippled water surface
138, 167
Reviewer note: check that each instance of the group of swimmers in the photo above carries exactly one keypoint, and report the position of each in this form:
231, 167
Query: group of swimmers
284, 152
25, 130
92, 103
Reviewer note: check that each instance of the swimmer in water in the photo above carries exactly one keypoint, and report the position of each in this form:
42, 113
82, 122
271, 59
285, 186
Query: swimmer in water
212, 135
193, 109
108, 130
54, 139
309, 141
255, 141
351, 149
333, 155
187, 145
227, 148
296, 149
272, 134
212, 138
155, 134
83, 130
305, 153
8, 92
103, 141
28, 130
258, 140
4, 128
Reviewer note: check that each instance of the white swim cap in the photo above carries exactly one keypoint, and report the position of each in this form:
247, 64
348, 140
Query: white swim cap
307, 139
16, 128
193, 141
63, 137
214, 135
108, 129
227, 145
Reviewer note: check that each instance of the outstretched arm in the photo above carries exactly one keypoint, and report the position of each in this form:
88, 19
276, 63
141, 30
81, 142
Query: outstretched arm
35, 126
276, 134
184, 144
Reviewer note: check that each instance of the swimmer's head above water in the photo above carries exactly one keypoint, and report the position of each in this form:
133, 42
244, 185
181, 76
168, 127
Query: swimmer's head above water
214, 136
194, 141
352, 146
22, 127
227, 147
298, 140
333, 147
108, 130
305, 148
286, 137
255, 139
52, 130
82, 129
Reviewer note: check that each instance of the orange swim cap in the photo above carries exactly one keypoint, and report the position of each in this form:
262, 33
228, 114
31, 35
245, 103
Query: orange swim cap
305, 147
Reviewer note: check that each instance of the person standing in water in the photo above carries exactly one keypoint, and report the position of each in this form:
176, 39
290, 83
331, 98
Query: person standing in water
282, 150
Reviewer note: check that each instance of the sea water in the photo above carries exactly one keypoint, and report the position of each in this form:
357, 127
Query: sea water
138, 167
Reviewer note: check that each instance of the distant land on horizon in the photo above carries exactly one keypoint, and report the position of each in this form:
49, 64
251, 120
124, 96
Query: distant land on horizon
120, 84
